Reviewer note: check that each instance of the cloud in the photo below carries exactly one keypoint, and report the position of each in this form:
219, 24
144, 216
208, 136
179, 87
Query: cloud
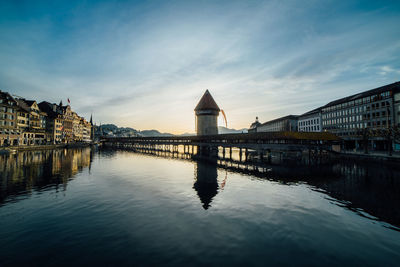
146, 65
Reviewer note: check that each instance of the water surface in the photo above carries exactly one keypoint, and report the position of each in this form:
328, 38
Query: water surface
81, 207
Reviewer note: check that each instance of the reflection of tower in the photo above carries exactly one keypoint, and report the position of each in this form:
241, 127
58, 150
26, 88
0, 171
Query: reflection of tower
206, 115
206, 183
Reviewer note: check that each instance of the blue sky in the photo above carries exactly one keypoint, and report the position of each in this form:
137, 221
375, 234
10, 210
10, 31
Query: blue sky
145, 64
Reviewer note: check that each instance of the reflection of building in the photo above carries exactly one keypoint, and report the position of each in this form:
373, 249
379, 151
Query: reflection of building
310, 121
206, 115
9, 132
206, 183
287, 123
27, 170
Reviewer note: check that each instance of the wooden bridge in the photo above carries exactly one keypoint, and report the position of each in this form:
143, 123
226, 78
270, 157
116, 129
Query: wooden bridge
247, 144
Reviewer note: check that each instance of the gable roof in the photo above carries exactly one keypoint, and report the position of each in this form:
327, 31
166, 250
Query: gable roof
48, 108
21, 103
207, 102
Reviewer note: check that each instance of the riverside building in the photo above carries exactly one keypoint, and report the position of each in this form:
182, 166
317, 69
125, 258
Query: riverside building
287, 123
9, 133
54, 123
31, 122
372, 110
310, 121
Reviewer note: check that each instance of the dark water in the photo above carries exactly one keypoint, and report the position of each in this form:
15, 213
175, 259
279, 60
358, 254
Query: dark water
83, 207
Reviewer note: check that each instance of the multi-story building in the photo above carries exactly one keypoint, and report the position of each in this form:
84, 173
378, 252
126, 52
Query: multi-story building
9, 133
35, 133
86, 130
287, 123
22, 115
54, 122
367, 112
68, 120
77, 127
310, 121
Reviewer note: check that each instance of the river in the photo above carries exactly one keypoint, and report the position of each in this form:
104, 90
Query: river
71, 207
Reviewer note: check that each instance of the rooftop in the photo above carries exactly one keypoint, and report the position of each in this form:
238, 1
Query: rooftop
281, 118
207, 102
393, 86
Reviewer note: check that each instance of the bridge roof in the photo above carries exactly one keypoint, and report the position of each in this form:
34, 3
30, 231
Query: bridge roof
307, 136
207, 102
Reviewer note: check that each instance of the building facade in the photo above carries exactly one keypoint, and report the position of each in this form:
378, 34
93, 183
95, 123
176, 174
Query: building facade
54, 122
9, 132
310, 121
68, 120
365, 115
32, 123
287, 123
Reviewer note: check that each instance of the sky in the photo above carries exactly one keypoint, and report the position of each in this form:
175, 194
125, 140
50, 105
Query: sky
146, 64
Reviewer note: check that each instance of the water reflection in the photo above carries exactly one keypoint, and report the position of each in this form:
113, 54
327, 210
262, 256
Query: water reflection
28, 171
206, 183
369, 189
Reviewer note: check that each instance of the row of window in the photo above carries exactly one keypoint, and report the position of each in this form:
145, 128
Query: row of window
6, 123
361, 125
360, 101
5, 109
309, 122
355, 110
314, 128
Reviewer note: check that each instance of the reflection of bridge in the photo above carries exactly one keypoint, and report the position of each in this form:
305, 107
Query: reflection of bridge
259, 144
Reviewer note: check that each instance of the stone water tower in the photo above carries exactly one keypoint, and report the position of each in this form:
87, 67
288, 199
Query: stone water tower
207, 112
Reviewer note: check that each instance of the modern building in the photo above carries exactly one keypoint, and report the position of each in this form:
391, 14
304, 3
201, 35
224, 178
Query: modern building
367, 113
207, 112
9, 133
287, 123
310, 121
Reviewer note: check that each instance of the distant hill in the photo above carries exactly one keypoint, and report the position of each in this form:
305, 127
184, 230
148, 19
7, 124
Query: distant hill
150, 133
110, 127
123, 131
224, 130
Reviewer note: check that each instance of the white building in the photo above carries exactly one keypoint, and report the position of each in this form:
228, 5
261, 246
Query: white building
310, 121
287, 123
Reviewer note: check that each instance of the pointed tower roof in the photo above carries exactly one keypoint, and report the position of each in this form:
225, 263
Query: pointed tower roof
207, 102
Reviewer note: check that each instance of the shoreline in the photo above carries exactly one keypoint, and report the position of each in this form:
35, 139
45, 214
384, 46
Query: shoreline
11, 149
